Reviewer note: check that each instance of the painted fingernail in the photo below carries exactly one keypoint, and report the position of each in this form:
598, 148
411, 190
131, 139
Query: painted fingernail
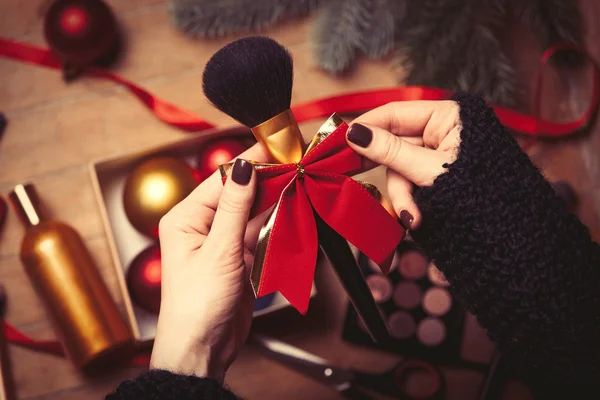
242, 172
360, 135
406, 219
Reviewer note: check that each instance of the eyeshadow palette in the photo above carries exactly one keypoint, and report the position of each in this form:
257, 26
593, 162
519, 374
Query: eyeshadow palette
423, 319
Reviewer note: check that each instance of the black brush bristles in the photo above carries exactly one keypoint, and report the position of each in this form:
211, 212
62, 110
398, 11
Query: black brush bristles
250, 79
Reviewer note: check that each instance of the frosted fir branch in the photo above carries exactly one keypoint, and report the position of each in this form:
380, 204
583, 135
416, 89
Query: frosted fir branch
554, 21
453, 44
382, 30
337, 34
435, 32
217, 18
487, 71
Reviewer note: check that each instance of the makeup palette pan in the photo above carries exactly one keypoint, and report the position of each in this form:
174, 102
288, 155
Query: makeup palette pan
422, 317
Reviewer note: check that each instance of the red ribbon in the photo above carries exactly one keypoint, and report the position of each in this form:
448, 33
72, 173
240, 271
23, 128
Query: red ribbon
17, 337
319, 182
165, 111
347, 103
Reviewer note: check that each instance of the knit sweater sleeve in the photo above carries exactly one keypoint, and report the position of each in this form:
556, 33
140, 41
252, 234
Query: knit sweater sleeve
164, 385
519, 261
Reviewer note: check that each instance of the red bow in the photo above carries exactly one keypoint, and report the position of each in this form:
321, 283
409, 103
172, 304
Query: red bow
287, 250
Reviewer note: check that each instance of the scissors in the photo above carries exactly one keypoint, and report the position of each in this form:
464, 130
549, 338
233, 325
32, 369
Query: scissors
351, 384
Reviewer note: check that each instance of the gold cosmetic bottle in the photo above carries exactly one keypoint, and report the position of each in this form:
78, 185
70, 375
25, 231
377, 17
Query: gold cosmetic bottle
62, 271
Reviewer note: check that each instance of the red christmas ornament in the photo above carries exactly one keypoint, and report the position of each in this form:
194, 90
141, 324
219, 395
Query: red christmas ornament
144, 277
217, 152
81, 32
74, 20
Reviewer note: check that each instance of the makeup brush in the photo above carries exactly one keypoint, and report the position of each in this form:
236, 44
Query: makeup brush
251, 80
7, 387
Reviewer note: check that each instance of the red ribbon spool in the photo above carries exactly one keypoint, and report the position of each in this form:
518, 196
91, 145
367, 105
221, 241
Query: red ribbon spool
81, 32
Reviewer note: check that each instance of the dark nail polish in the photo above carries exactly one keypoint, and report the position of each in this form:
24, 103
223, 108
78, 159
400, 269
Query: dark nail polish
360, 135
242, 172
406, 219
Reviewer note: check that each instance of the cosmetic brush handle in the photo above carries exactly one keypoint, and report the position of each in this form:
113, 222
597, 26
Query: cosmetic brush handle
341, 258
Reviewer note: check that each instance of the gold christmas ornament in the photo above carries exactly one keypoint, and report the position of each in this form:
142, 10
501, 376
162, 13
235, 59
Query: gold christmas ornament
153, 188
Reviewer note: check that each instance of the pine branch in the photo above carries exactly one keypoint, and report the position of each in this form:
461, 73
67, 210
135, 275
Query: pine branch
554, 21
453, 44
379, 37
486, 70
435, 31
216, 18
337, 33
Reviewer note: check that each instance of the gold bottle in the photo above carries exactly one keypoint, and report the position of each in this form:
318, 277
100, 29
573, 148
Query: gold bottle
62, 271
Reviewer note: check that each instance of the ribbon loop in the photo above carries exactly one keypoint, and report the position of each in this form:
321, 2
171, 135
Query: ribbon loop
286, 251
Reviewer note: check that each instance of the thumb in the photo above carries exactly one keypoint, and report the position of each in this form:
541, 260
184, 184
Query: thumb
416, 163
231, 217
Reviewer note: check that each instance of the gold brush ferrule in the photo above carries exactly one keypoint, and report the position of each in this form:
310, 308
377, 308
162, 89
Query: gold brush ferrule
281, 137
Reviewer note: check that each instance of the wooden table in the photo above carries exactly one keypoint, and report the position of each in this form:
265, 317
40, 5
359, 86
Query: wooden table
56, 129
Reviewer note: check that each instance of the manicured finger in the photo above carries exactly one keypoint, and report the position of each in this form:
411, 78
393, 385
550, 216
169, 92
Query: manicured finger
418, 164
430, 119
208, 193
231, 217
400, 191
196, 212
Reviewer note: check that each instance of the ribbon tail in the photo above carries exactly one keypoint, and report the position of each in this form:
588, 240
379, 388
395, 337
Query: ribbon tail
47, 346
165, 111
286, 253
16, 337
343, 204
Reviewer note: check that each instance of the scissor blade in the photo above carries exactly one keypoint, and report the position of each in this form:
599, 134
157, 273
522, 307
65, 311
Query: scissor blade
306, 363
284, 349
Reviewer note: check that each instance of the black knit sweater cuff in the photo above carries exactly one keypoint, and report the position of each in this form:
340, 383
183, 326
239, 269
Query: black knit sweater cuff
488, 155
522, 264
164, 385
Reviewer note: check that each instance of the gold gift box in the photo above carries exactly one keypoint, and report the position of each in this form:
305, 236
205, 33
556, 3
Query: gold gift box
125, 242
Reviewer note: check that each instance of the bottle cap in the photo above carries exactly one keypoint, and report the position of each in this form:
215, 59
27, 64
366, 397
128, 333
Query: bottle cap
26, 202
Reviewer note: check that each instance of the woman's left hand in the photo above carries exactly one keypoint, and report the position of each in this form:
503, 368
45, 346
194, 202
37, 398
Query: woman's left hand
206, 304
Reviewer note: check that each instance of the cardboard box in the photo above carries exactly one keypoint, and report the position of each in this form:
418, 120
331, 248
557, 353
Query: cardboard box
109, 177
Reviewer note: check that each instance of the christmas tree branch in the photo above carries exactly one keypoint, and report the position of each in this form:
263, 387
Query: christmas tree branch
215, 18
454, 45
338, 32
382, 30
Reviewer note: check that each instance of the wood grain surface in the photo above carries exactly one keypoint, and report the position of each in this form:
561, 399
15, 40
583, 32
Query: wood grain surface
55, 130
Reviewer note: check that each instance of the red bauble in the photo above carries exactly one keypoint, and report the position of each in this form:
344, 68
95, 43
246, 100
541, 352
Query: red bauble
217, 152
81, 32
144, 277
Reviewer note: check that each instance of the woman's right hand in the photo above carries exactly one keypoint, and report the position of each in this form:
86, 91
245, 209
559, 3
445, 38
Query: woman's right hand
416, 140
